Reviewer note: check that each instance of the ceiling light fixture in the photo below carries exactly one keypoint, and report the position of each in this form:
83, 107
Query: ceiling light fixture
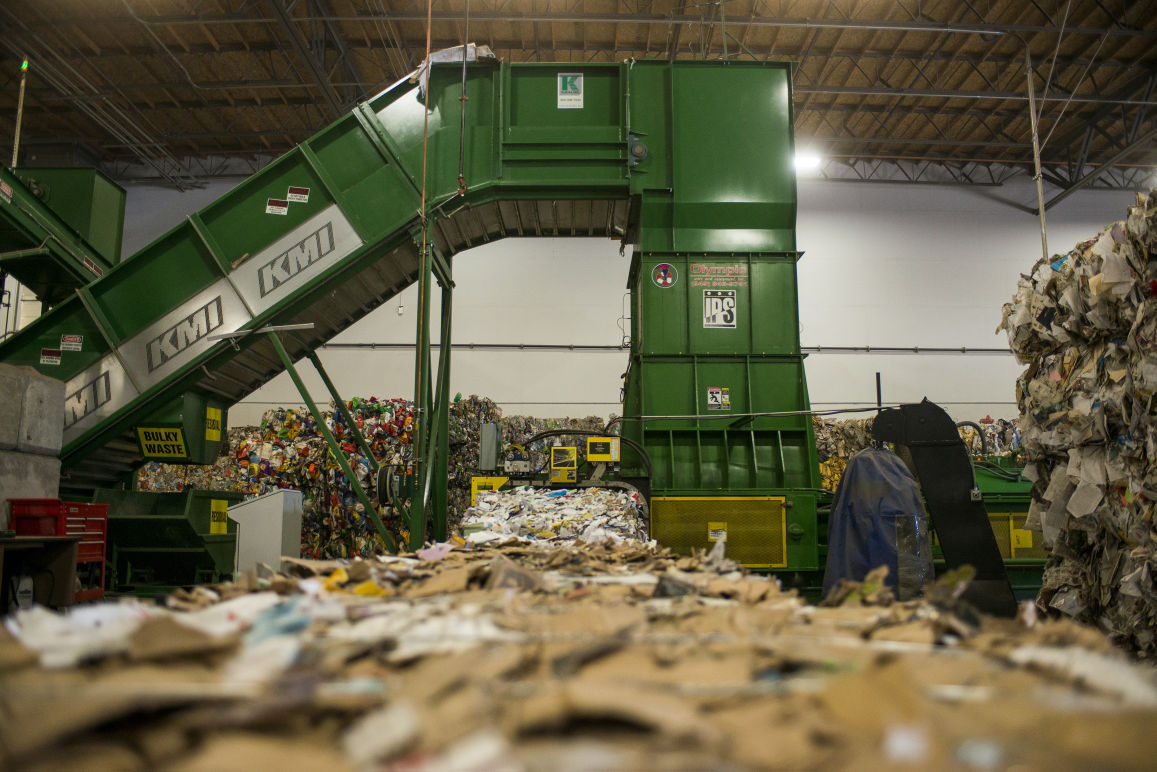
807, 162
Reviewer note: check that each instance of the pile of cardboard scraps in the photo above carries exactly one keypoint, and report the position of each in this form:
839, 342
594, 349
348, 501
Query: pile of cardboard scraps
547, 656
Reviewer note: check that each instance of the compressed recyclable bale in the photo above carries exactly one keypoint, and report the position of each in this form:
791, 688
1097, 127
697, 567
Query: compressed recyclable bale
1085, 323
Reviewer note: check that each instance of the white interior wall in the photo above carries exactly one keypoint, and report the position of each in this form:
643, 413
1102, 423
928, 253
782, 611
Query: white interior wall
885, 265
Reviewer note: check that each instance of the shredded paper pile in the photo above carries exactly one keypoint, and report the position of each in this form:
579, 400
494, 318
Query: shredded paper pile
591, 515
1086, 324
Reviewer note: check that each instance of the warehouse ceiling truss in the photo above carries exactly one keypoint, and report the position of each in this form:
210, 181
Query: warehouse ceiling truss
911, 91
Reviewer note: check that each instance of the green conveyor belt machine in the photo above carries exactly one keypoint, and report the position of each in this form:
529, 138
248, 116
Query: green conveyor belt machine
688, 162
60, 229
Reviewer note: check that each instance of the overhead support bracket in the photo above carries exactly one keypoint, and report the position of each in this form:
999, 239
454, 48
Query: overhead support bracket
1132, 147
301, 47
441, 267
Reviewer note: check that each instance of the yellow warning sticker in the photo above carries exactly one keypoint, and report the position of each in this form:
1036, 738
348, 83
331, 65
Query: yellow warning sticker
213, 424
162, 442
717, 532
1021, 539
218, 516
485, 484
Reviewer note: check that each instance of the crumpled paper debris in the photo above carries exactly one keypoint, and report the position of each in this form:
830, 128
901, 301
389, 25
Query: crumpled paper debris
1085, 323
592, 515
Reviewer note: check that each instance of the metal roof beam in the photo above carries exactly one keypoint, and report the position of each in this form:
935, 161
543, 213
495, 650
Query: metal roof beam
134, 51
929, 93
1141, 142
301, 48
514, 17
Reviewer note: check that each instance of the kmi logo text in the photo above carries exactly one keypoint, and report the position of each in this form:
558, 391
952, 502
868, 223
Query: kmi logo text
184, 334
296, 259
86, 399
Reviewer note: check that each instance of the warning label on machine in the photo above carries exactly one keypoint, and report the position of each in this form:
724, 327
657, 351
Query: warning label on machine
719, 309
276, 206
49, 356
213, 424
300, 195
218, 516
162, 442
718, 398
718, 275
71, 342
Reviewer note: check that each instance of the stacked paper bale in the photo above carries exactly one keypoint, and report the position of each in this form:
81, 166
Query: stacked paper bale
838, 441
1086, 325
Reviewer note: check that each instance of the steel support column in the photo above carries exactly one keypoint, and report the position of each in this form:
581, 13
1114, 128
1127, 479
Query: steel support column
422, 398
334, 448
440, 441
339, 405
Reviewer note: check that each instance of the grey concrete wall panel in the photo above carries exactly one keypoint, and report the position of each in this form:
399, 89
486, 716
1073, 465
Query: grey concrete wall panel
26, 476
41, 415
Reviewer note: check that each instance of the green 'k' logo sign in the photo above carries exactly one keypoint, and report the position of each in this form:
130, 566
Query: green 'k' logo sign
570, 89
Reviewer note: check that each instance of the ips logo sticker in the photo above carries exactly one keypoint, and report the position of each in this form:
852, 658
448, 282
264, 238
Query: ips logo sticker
719, 309
664, 275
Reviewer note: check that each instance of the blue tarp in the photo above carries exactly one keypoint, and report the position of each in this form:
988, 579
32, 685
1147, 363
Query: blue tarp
878, 519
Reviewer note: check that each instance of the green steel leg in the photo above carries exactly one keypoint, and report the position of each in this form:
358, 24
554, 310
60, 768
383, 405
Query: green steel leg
334, 448
440, 495
421, 404
339, 403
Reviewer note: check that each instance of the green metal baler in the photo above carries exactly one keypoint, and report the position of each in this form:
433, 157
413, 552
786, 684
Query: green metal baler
688, 162
637, 151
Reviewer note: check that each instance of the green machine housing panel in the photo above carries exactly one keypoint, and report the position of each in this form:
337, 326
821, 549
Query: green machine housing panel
87, 200
47, 218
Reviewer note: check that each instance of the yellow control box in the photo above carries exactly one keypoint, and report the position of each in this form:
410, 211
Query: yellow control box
563, 457
603, 450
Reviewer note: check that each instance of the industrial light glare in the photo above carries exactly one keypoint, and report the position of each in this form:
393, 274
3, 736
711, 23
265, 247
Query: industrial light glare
807, 161
24, 64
